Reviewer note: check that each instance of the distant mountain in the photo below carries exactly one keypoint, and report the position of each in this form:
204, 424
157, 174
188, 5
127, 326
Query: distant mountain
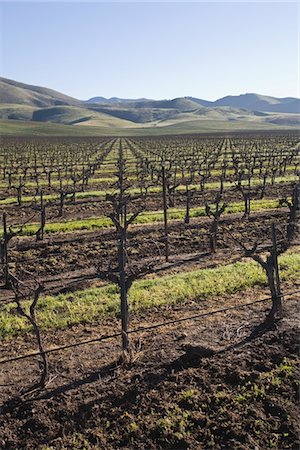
252, 102
180, 104
113, 100
201, 102
292, 107
23, 102
256, 102
99, 100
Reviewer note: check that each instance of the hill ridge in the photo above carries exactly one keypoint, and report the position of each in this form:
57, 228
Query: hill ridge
25, 102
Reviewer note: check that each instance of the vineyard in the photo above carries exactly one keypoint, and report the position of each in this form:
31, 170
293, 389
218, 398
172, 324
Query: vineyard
125, 260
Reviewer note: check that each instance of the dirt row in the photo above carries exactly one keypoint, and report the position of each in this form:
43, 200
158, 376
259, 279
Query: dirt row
95, 207
85, 250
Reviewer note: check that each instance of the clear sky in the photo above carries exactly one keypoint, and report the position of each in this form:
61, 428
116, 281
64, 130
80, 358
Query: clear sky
154, 50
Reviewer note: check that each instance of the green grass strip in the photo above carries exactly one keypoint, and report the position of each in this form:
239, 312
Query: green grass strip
146, 217
91, 304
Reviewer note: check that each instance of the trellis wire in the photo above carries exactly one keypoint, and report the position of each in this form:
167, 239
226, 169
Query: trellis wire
143, 329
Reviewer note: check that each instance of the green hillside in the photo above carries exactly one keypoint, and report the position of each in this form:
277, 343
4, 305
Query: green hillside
27, 109
16, 111
72, 115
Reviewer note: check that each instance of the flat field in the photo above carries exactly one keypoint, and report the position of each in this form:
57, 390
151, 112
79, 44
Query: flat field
198, 204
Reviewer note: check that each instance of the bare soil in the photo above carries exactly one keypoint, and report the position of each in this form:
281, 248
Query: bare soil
95, 207
72, 260
243, 396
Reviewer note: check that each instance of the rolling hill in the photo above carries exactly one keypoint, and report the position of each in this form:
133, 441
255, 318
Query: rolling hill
252, 102
19, 93
21, 103
256, 102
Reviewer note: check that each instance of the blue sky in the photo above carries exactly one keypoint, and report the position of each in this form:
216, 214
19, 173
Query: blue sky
154, 50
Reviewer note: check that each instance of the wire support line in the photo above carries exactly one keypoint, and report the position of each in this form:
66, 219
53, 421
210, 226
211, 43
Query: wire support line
143, 329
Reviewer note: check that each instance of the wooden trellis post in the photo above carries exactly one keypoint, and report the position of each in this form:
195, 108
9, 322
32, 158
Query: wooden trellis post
40, 232
165, 208
278, 300
4, 251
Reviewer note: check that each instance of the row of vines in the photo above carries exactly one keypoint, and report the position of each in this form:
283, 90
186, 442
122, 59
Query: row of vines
165, 183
